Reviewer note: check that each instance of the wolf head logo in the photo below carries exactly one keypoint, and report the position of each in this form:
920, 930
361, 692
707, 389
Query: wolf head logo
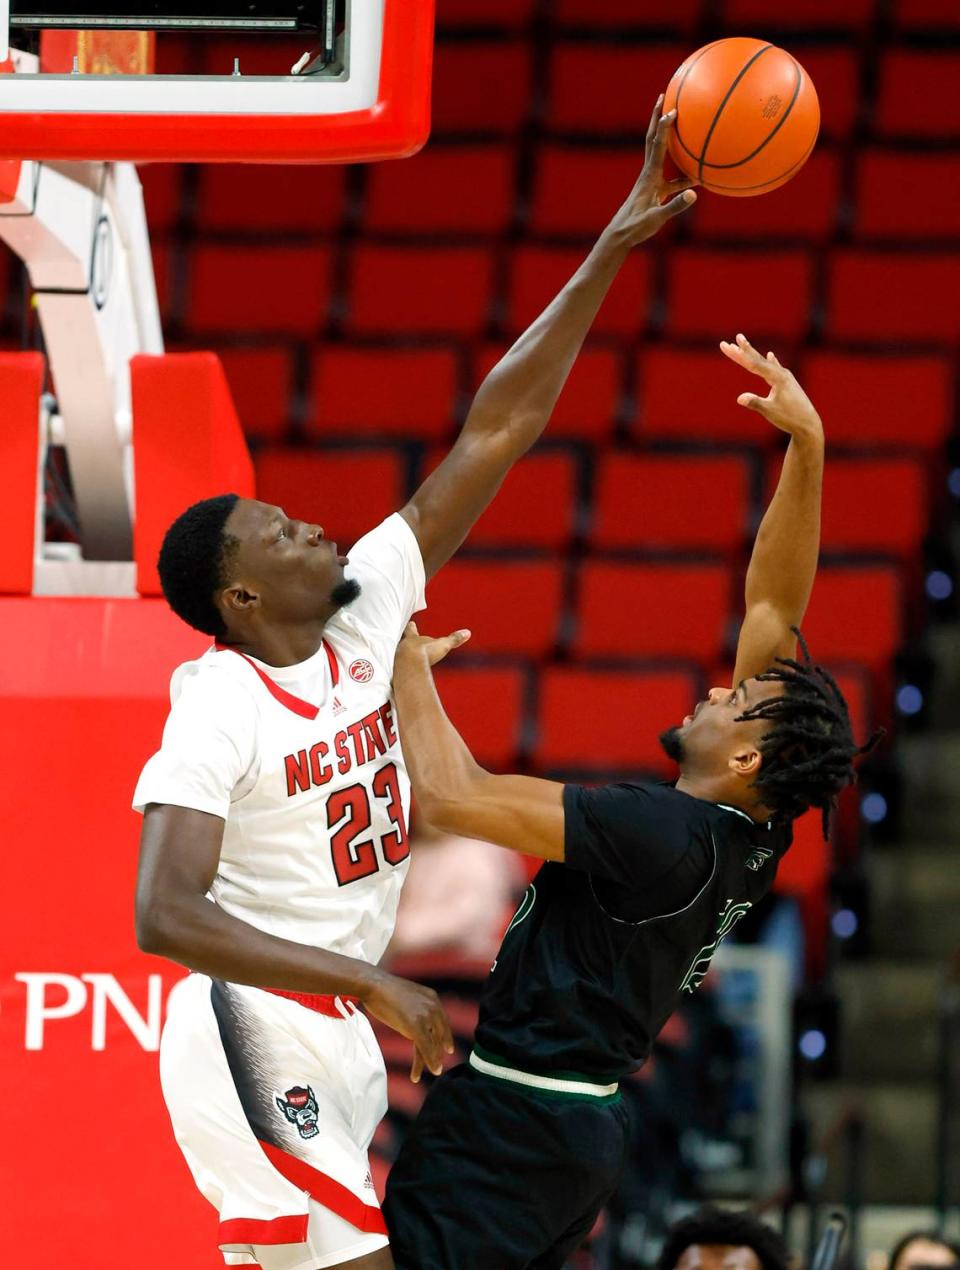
299, 1105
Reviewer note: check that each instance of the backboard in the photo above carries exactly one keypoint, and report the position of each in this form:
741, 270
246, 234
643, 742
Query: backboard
371, 102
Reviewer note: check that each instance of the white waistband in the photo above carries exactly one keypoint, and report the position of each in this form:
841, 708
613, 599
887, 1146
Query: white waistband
552, 1083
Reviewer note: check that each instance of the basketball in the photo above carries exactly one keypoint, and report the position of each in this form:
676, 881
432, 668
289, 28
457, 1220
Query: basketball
747, 116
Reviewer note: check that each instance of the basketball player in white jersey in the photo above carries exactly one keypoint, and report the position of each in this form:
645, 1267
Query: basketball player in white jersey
274, 841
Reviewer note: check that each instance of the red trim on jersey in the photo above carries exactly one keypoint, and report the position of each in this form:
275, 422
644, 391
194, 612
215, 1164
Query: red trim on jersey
281, 1230
331, 1194
296, 704
334, 664
316, 1001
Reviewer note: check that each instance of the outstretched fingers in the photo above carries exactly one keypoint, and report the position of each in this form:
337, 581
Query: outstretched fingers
652, 126
745, 355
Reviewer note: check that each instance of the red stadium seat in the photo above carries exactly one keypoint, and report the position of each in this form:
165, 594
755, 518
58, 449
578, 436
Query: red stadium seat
655, 610
692, 395
441, 290
603, 721
483, 13
931, 209
162, 194
241, 196
261, 381
485, 705
715, 294
577, 189
510, 606
607, 88
348, 492
535, 507
681, 15
854, 490
538, 273
278, 289
891, 297
835, 70
855, 616
917, 95
875, 402
428, 193
587, 408
811, 14
682, 502
390, 391
806, 208
920, 15
853, 493
463, 76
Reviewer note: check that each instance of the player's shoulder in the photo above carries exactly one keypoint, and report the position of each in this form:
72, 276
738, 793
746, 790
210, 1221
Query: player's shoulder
217, 681
392, 537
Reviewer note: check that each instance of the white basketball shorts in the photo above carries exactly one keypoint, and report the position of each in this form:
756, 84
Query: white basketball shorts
273, 1105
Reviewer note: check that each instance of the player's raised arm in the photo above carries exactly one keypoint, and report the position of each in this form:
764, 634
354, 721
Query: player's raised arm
453, 792
516, 399
784, 560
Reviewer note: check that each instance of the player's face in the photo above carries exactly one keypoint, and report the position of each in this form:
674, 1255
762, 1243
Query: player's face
294, 569
717, 1257
711, 737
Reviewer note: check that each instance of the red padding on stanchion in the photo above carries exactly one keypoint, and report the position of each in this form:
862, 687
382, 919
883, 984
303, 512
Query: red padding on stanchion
21, 381
187, 445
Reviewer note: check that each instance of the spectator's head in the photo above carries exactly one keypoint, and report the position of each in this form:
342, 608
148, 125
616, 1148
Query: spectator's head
718, 1239
923, 1249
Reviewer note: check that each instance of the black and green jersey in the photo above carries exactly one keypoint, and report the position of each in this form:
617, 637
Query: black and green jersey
603, 945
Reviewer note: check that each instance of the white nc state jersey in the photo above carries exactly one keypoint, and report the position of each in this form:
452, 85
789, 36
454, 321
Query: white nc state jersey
304, 765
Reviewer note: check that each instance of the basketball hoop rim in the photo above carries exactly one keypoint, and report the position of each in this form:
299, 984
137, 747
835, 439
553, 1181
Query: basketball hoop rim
395, 126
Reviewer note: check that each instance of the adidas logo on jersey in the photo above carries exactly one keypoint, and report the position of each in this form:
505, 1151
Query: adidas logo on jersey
338, 706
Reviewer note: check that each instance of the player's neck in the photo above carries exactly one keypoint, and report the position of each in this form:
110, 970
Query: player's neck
284, 645
712, 790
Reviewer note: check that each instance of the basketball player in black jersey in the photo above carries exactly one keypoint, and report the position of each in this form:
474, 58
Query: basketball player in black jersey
514, 1154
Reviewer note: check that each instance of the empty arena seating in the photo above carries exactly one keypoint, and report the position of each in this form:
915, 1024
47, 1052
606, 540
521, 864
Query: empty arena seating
614, 71
230, 197
486, 705
875, 402
652, 610
261, 380
608, 721
878, 216
916, 95
427, 194
679, 502
893, 297
462, 76
511, 606
398, 392
277, 289
537, 505
438, 290
764, 293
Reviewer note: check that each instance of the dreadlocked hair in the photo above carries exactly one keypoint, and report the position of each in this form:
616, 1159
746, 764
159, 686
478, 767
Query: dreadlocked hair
808, 754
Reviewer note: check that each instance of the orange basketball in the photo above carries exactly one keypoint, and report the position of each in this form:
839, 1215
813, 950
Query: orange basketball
747, 116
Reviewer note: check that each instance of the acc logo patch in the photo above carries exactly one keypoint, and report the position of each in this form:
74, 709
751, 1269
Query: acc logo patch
299, 1105
361, 670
